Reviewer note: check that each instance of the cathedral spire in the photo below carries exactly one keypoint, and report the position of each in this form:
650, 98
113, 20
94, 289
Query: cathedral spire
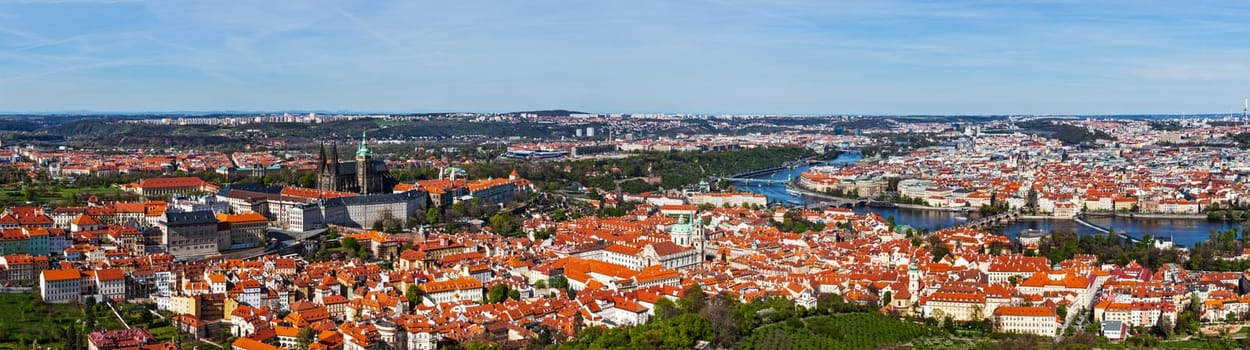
321, 160
363, 151
334, 155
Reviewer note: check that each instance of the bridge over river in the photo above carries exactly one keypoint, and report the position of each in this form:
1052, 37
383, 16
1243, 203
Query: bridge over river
992, 221
1009, 217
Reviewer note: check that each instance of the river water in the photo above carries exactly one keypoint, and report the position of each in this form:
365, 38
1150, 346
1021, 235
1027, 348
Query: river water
1180, 231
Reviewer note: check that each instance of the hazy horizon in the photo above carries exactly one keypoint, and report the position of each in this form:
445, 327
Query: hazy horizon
705, 57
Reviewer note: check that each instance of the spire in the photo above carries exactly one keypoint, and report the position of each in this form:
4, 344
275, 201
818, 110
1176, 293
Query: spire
363, 151
334, 154
321, 160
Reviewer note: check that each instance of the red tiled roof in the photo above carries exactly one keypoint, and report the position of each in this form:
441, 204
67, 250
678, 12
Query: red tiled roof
61, 275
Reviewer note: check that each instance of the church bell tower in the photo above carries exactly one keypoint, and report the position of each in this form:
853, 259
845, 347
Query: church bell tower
363, 158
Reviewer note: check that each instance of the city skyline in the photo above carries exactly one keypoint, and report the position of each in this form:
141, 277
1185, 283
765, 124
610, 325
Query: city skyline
902, 58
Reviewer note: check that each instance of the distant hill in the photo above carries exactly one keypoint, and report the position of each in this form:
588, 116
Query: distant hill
552, 112
19, 125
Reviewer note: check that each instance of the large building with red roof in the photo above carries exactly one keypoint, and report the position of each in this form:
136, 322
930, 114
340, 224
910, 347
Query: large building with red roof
165, 186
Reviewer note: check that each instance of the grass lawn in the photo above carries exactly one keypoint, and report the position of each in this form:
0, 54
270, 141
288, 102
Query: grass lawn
14, 195
163, 333
71, 192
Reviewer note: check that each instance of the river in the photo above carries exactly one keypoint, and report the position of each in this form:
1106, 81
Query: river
1181, 231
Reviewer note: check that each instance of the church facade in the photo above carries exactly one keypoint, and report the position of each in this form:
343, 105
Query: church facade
363, 175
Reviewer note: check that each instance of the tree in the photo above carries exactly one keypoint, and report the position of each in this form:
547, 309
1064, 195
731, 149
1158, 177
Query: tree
432, 215
502, 224
413, 294
1062, 311
886, 298
350, 243
362, 253
498, 293
693, 300
559, 281
948, 324
323, 253
303, 338
1163, 328
665, 309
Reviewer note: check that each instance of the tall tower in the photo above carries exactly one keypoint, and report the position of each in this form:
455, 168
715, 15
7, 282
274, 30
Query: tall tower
1245, 109
334, 158
327, 169
333, 172
321, 160
363, 158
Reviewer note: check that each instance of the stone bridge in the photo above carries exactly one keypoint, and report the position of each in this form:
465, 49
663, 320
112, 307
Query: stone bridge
996, 220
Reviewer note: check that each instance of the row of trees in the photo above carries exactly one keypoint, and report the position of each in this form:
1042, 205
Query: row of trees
1111, 247
1218, 253
676, 169
1067, 133
1228, 215
793, 222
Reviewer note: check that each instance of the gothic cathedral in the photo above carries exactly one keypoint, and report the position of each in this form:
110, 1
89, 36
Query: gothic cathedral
363, 175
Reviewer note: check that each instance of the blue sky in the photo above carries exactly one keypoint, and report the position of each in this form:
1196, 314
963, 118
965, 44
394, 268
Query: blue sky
714, 56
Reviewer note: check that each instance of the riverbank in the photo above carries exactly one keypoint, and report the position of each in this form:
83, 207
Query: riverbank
925, 207
1183, 232
1149, 216
810, 193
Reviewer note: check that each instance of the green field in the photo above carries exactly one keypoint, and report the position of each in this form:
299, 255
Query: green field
11, 195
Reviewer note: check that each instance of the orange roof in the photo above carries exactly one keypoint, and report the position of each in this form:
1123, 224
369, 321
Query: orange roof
284, 331
452, 284
217, 278
84, 220
252, 344
110, 275
485, 184
1035, 311
61, 275
245, 218
313, 193
623, 249
405, 187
